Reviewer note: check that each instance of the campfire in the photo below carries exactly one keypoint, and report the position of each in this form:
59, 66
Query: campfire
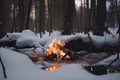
56, 50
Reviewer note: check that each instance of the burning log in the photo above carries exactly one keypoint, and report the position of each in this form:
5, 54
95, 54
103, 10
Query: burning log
52, 57
69, 54
57, 51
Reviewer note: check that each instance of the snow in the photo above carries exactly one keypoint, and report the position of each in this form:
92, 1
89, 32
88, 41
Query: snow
10, 36
107, 39
1, 72
67, 38
43, 63
44, 38
27, 38
26, 50
113, 30
20, 67
39, 50
112, 40
108, 60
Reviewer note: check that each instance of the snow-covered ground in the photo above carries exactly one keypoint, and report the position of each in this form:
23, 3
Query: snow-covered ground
19, 67
108, 60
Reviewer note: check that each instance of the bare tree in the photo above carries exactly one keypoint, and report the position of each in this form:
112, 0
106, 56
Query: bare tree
100, 17
93, 14
2, 30
42, 16
28, 7
68, 26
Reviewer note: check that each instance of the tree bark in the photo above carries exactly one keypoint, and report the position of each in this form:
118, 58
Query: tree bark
28, 14
21, 15
42, 16
2, 30
93, 13
68, 27
100, 17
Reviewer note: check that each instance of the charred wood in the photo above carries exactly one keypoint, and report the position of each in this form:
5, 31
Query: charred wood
70, 53
52, 57
79, 45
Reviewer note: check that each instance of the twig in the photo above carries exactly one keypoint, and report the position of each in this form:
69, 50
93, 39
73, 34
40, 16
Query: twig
4, 70
114, 59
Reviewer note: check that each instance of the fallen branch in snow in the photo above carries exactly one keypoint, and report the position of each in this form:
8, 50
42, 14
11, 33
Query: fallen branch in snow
114, 59
4, 70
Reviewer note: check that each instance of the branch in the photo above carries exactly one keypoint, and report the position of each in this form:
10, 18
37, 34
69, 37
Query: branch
4, 70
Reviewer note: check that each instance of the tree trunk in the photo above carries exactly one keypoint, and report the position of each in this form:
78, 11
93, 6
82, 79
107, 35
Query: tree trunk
42, 16
6, 18
21, 15
29, 6
50, 22
101, 17
118, 15
2, 30
87, 17
68, 27
93, 14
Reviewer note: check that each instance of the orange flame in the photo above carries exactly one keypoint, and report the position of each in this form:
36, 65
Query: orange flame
54, 48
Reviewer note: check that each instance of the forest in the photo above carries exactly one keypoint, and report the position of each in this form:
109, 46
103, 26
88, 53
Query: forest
59, 39
68, 16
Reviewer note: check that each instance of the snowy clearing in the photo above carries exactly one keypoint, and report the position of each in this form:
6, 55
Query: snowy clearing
19, 67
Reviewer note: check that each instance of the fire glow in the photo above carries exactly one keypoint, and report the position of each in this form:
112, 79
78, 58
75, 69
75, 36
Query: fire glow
52, 68
54, 48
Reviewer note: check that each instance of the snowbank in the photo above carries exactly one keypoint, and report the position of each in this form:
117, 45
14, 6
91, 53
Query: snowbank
44, 38
1, 72
107, 39
108, 60
10, 37
27, 39
20, 67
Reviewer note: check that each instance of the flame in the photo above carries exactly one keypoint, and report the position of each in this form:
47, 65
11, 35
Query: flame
54, 48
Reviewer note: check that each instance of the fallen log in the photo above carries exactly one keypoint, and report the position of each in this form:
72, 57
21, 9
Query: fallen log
79, 45
73, 55
11, 43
